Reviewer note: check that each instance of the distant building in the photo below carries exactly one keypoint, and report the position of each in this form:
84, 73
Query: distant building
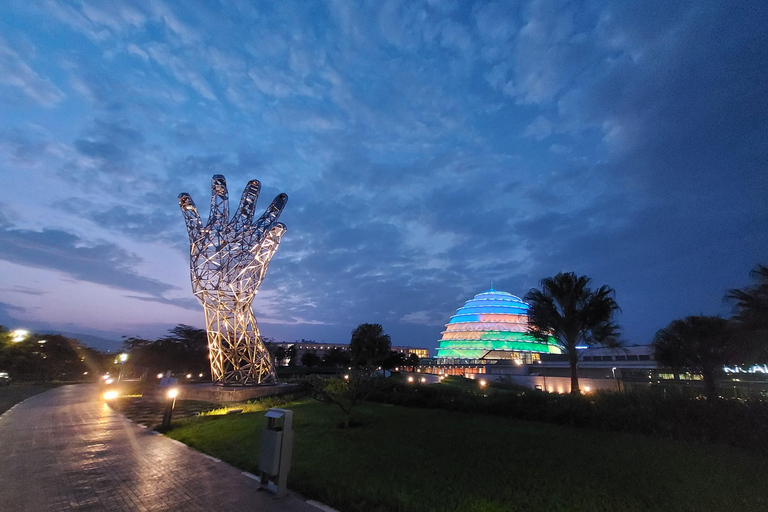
322, 349
487, 339
492, 325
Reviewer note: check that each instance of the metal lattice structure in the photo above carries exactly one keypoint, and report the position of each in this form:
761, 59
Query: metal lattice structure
228, 261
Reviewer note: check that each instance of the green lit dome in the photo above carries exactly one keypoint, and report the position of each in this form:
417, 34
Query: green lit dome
491, 321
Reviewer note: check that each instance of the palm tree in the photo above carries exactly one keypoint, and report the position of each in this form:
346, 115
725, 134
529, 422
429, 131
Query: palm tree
369, 345
702, 344
752, 313
571, 313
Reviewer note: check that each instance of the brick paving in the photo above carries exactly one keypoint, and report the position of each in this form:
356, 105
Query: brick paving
66, 450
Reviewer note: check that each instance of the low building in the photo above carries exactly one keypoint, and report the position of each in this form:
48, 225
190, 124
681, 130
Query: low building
321, 349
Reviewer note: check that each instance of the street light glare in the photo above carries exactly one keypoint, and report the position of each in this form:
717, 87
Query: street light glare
19, 335
173, 393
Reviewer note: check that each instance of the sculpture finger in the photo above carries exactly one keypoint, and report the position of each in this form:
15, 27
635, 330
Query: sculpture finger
272, 213
219, 202
247, 208
264, 253
191, 217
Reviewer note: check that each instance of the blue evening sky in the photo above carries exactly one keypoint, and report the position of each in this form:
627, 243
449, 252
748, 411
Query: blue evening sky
428, 148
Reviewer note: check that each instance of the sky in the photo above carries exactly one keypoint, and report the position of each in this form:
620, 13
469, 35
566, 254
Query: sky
428, 149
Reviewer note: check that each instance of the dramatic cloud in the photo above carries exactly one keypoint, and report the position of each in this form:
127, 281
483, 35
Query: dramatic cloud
428, 149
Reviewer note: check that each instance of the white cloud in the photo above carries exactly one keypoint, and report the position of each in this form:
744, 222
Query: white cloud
17, 73
181, 69
539, 129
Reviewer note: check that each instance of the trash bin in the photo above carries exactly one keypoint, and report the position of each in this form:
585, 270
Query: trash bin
275, 451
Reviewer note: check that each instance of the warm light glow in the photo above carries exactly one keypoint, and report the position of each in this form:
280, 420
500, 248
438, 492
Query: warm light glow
159, 375
109, 381
482, 383
42, 342
200, 375
173, 393
410, 379
423, 379
19, 335
105, 376
587, 389
123, 358
189, 375
346, 377
110, 395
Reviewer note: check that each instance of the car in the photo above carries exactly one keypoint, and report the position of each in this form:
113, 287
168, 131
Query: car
5, 379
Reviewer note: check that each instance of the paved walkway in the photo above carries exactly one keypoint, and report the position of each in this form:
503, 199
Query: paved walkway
66, 450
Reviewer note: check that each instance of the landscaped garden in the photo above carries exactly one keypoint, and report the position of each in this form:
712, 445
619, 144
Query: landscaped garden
415, 459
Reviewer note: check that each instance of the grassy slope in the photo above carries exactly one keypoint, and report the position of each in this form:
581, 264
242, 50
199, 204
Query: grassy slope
15, 393
417, 460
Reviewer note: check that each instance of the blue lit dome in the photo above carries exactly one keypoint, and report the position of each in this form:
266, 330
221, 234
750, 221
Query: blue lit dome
493, 324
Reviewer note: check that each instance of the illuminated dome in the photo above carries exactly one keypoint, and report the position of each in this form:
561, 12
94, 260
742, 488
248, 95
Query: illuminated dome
492, 325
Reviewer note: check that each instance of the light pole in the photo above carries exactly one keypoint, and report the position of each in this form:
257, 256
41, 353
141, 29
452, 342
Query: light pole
170, 403
613, 370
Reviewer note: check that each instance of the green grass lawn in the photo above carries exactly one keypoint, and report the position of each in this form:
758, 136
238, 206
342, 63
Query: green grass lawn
16, 392
409, 459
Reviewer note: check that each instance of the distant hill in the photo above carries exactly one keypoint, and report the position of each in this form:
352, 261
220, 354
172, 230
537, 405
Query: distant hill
97, 342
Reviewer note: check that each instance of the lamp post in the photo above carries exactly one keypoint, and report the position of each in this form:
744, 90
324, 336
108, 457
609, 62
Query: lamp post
613, 371
170, 403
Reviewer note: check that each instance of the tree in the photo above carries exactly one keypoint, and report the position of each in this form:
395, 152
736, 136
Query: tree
291, 354
183, 349
337, 357
279, 356
369, 346
345, 392
395, 359
309, 359
412, 361
701, 344
751, 315
568, 311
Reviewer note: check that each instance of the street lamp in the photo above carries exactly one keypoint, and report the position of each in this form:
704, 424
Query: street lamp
613, 371
170, 403
19, 335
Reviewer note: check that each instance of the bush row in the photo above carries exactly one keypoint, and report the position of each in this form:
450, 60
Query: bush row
735, 422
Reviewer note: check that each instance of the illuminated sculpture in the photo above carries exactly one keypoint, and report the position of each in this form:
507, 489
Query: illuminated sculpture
492, 325
228, 260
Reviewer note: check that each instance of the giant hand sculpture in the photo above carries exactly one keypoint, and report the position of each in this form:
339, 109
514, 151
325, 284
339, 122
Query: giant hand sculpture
228, 260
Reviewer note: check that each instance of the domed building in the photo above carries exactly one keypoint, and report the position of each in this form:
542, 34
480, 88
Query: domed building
492, 325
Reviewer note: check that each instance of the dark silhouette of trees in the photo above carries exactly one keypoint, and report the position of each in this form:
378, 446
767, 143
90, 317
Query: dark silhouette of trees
48, 357
337, 358
751, 315
395, 359
309, 359
702, 344
369, 346
412, 361
279, 356
570, 312
291, 353
183, 349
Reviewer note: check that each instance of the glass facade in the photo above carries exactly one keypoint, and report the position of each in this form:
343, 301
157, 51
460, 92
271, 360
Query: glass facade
491, 321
